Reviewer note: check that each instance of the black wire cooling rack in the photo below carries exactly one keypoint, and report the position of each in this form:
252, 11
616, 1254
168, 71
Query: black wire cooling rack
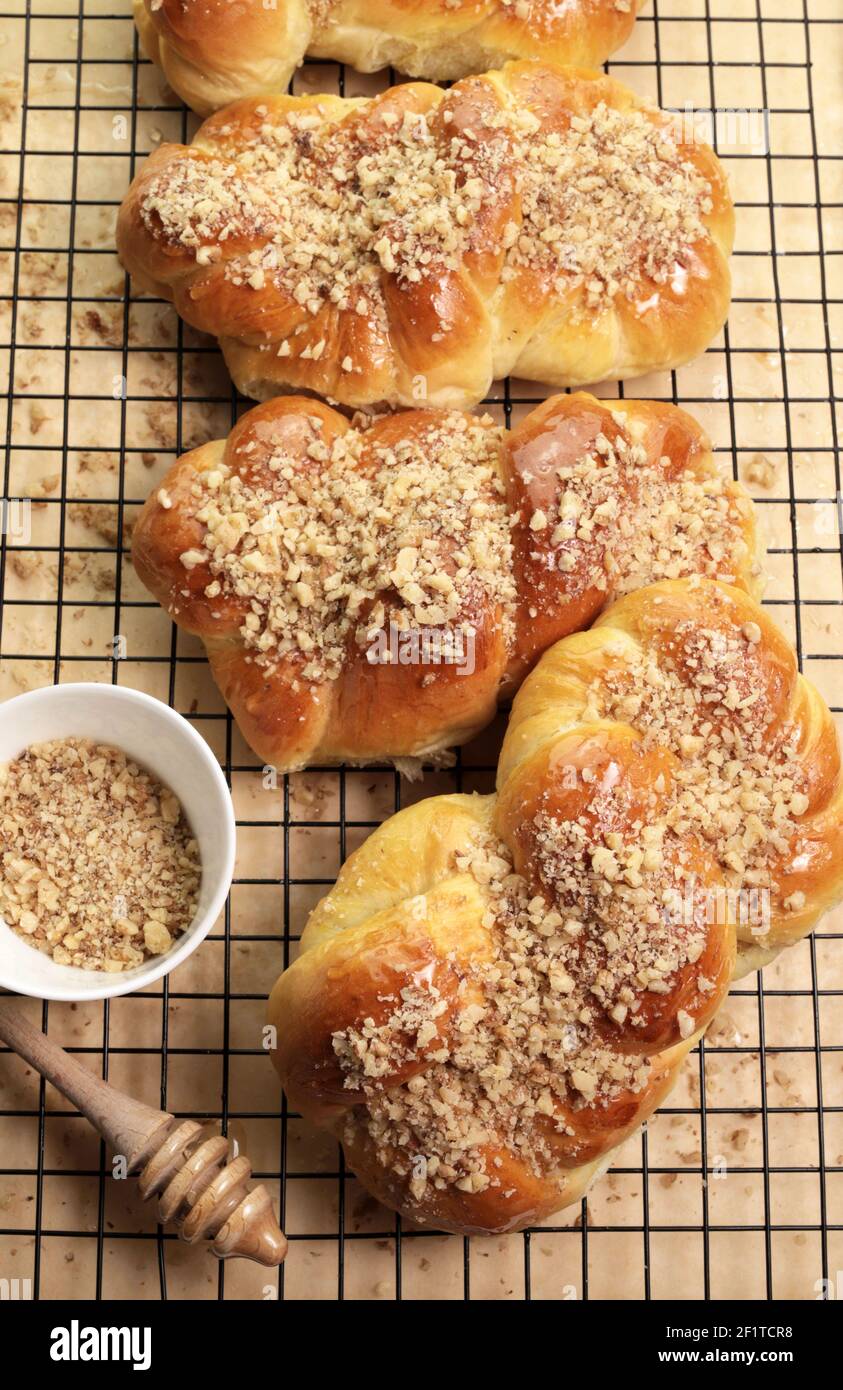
762, 1105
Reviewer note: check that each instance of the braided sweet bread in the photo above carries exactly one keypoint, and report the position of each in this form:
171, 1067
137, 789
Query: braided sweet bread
367, 591
411, 249
500, 989
213, 52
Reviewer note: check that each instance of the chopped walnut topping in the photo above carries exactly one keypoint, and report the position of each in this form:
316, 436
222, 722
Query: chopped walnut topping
608, 203
374, 1050
419, 528
739, 786
98, 866
621, 521
333, 204
523, 1061
335, 546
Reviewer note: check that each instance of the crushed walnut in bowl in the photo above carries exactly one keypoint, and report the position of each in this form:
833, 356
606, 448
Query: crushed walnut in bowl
117, 842
98, 864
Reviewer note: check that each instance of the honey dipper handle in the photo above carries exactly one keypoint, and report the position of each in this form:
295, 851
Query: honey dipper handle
128, 1126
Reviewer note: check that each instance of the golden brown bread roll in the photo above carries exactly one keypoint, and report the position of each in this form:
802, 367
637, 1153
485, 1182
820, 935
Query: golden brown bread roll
499, 990
540, 222
213, 52
365, 592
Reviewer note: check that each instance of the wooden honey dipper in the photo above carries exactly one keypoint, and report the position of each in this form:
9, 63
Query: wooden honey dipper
198, 1188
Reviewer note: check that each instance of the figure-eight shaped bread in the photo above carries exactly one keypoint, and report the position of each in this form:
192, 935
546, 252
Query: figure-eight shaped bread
366, 591
500, 989
213, 51
410, 249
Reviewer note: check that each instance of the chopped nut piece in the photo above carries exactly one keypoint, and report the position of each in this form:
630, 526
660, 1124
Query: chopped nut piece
687, 1025
156, 938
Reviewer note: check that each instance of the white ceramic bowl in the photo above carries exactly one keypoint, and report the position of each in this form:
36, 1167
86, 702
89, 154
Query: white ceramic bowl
162, 741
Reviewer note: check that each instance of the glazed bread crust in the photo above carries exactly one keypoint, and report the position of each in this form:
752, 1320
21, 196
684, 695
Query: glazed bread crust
411, 249
603, 801
213, 52
568, 528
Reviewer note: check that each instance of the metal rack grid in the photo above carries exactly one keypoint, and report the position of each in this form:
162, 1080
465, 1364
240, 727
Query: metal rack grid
736, 1188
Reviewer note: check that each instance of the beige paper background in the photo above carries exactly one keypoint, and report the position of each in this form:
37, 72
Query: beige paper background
668, 1221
